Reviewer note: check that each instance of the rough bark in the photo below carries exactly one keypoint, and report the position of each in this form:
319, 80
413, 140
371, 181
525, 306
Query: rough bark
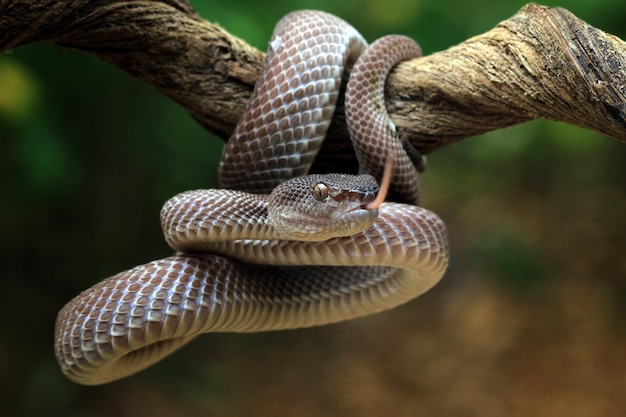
541, 63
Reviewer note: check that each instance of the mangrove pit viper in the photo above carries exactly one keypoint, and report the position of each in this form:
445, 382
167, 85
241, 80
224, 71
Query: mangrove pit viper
275, 248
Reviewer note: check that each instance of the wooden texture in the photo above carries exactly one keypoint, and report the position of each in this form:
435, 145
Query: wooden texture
541, 63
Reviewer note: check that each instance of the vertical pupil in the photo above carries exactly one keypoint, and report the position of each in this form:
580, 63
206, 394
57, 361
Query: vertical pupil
320, 191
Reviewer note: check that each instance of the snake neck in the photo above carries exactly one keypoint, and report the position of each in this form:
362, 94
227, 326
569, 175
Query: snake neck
193, 220
206, 221
398, 239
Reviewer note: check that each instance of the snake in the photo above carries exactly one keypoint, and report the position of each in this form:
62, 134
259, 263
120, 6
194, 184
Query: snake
276, 247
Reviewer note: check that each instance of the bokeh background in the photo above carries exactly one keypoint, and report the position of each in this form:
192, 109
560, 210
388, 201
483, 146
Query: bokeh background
527, 321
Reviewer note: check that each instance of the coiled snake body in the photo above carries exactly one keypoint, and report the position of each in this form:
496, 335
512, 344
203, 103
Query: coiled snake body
264, 253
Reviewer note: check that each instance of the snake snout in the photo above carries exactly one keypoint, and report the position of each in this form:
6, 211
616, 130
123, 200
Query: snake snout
349, 201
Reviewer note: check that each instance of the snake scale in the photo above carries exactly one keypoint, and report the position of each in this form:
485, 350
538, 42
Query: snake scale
275, 248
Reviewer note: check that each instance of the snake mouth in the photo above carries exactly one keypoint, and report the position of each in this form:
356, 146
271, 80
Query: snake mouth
353, 202
367, 202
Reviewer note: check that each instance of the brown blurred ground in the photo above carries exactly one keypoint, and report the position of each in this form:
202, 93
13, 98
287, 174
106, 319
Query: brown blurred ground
528, 320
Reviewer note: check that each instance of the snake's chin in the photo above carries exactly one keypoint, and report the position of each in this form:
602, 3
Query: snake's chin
358, 220
347, 223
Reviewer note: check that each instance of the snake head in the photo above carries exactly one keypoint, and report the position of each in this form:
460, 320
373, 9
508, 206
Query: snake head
320, 207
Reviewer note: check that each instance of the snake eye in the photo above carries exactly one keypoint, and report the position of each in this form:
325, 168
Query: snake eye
320, 192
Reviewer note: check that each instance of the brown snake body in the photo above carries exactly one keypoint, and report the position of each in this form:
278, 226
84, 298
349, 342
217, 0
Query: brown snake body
316, 250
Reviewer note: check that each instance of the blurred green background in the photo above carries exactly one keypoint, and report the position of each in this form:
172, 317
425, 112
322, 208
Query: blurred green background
527, 321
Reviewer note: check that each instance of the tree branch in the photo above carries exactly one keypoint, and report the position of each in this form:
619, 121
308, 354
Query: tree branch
541, 63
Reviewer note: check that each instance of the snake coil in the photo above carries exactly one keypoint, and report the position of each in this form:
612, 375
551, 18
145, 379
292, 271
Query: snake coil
250, 261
